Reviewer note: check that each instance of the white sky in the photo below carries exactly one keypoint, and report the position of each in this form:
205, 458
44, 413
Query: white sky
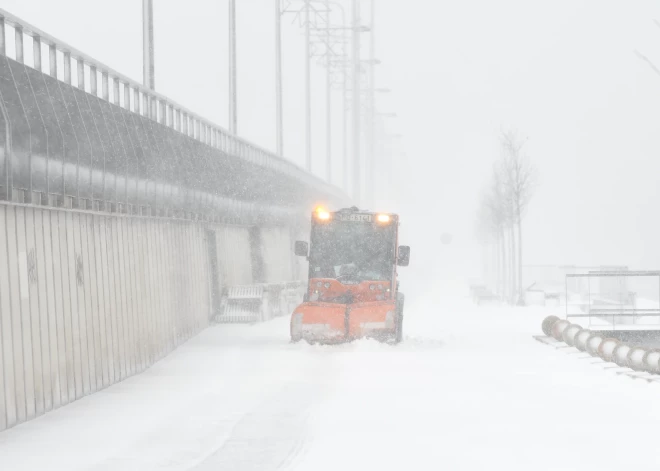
564, 73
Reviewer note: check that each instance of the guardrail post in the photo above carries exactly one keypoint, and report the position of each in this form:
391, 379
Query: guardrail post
136, 100
93, 81
154, 108
115, 90
81, 74
36, 52
18, 32
105, 86
127, 96
67, 67
145, 105
52, 58
3, 39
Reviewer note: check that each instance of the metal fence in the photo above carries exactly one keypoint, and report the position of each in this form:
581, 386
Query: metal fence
80, 134
610, 299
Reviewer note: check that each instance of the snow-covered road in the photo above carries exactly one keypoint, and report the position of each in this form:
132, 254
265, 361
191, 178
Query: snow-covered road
469, 389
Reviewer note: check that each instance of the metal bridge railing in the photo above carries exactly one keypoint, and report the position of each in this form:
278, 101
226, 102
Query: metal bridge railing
73, 67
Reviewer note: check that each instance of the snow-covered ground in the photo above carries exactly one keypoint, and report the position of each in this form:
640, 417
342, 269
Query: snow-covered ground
469, 389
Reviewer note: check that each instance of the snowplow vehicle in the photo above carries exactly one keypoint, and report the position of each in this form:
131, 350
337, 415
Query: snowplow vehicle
352, 290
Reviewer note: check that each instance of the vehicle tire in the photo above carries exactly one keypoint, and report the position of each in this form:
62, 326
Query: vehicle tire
400, 299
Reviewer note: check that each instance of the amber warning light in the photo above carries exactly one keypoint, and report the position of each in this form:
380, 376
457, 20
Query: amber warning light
322, 214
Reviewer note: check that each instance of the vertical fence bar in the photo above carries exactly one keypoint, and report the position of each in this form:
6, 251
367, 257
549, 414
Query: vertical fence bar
3, 39
105, 86
67, 67
115, 90
127, 96
136, 100
154, 108
93, 81
81, 73
18, 31
52, 59
36, 52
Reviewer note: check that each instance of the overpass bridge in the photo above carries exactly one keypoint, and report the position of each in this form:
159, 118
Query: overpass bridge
124, 217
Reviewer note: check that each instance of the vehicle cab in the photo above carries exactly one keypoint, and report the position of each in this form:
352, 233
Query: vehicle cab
352, 287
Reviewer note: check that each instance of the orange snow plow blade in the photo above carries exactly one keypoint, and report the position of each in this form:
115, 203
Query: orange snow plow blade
319, 322
373, 319
334, 323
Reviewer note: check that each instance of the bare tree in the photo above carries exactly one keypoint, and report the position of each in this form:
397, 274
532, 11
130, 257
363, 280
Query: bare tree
503, 206
519, 176
494, 218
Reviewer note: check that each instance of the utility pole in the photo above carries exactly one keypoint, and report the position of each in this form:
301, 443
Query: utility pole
308, 89
337, 64
356, 101
371, 111
233, 118
148, 44
328, 97
279, 118
345, 76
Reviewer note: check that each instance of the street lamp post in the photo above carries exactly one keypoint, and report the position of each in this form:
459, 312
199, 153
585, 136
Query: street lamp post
308, 90
372, 105
148, 44
233, 118
328, 98
279, 115
356, 101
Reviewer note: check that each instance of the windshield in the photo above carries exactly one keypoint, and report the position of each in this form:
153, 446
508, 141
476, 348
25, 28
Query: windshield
352, 251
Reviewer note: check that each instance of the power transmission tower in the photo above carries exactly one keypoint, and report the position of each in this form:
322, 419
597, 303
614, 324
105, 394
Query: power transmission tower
334, 46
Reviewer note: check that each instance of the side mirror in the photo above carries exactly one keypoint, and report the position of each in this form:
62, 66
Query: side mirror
404, 256
301, 248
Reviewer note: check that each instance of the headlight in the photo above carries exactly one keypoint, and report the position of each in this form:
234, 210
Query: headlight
327, 285
372, 287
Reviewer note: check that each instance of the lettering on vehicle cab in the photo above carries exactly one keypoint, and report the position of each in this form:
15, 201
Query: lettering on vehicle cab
356, 217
